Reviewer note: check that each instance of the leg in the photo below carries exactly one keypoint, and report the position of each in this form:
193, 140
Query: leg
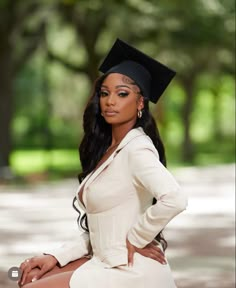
60, 280
57, 270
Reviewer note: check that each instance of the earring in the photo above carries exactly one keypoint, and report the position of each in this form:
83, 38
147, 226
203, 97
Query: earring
102, 115
140, 113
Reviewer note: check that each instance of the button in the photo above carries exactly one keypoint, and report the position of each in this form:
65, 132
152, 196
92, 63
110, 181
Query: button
14, 273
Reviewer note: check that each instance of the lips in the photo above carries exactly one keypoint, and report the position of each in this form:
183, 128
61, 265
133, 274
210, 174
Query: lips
110, 112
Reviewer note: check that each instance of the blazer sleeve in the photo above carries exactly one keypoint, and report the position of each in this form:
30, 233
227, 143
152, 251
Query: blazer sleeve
150, 176
73, 250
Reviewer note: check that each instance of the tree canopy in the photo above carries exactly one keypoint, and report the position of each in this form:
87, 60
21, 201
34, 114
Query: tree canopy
50, 52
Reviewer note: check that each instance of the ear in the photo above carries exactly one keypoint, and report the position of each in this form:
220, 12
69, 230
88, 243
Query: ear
140, 103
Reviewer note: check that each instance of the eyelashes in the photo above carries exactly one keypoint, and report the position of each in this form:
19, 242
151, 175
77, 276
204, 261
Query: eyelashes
103, 93
123, 94
120, 94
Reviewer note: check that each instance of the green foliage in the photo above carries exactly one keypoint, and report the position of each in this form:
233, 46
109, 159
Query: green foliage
52, 87
37, 161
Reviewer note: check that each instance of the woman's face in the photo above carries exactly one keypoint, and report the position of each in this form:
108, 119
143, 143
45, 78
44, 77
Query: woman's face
120, 100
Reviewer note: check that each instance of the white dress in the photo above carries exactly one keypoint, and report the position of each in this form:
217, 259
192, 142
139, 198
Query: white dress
118, 200
145, 273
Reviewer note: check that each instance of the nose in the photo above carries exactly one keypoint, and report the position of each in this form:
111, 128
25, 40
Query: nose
110, 100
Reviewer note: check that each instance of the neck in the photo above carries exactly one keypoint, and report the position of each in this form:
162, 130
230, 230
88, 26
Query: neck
119, 132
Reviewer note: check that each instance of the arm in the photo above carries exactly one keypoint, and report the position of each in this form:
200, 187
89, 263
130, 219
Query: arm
149, 174
73, 250
77, 248
35, 267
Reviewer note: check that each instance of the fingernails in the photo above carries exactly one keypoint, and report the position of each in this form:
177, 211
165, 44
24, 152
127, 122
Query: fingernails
130, 264
34, 279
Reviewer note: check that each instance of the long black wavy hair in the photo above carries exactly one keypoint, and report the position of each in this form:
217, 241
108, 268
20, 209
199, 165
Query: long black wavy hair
96, 130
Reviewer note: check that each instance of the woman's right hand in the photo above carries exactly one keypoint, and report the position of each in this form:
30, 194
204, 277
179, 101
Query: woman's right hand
45, 263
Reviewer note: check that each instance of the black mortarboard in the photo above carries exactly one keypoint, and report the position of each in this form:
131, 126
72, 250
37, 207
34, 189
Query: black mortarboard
151, 76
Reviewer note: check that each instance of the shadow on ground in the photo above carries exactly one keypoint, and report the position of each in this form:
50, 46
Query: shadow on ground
201, 240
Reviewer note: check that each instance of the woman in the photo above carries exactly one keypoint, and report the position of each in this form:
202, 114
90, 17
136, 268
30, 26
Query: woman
126, 191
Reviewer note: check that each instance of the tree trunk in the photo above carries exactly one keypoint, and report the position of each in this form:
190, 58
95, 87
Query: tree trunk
216, 112
5, 105
187, 147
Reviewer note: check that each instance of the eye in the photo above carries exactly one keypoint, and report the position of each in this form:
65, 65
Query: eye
123, 94
103, 93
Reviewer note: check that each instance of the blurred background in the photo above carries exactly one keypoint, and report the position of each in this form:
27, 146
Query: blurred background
49, 54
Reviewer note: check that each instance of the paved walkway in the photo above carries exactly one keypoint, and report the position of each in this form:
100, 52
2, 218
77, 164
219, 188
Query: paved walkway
201, 240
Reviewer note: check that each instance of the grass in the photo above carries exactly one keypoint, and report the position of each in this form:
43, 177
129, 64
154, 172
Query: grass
60, 163
211, 152
55, 163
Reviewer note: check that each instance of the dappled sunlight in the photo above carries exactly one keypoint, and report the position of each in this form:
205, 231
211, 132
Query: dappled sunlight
227, 242
201, 239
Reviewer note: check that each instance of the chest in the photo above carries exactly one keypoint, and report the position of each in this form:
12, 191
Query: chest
109, 188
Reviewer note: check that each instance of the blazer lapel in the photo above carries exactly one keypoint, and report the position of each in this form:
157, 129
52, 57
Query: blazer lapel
93, 175
99, 170
132, 134
128, 137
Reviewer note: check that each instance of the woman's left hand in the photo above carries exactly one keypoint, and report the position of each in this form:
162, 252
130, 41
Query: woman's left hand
150, 251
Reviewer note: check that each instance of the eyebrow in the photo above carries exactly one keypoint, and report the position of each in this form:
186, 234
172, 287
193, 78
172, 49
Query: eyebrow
118, 86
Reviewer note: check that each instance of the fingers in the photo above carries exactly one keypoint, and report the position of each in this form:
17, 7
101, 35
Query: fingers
153, 252
156, 255
31, 275
26, 267
40, 273
156, 248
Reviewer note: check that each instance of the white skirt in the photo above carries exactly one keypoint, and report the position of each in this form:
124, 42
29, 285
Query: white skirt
145, 273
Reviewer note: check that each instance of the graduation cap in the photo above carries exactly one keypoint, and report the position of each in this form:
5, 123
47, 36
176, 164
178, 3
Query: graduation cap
150, 75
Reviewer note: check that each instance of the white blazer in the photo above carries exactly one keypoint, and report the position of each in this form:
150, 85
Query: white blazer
118, 201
